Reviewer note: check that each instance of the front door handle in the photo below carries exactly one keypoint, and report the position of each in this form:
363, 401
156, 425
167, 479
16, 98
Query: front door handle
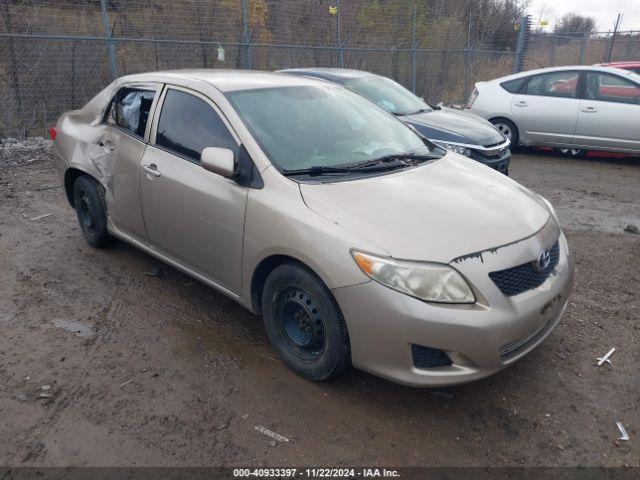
589, 109
151, 169
521, 103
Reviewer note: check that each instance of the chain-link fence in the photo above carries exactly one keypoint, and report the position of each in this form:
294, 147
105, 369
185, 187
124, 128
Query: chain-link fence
551, 49
56, 54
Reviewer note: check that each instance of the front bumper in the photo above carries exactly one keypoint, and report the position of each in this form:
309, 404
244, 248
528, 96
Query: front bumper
499, 162
384, 324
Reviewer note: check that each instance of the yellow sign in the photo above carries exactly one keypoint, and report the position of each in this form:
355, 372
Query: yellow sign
544, 23
333, 10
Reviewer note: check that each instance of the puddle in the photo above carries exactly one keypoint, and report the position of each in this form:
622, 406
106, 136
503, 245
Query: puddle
80, 329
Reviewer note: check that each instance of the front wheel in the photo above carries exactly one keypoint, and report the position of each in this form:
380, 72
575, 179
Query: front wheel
571, 152
304, 323
508, 129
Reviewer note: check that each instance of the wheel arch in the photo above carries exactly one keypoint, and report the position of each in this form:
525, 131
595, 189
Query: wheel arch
496, 118
70, 177
268, 265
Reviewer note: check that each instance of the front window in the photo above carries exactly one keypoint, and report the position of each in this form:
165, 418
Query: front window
611, 88
388, 94
309, 126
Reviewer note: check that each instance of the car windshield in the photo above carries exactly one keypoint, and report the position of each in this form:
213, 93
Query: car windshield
388, 94
321, 126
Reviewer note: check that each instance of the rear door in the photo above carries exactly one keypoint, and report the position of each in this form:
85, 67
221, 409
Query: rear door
609, 116
116, 152
546, 109
193, 216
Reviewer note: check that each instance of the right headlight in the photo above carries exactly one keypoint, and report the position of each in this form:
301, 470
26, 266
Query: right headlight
431, 282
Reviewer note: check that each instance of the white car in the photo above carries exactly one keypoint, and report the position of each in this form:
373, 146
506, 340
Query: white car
574, 109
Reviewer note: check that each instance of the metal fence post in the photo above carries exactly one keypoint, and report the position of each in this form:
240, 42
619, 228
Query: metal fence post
583, 46
339, 33
414, 47
107, 32
627, 47
246, 39
552, 54
522, 43
467, 63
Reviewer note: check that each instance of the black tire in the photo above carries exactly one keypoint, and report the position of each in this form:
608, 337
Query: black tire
304, 323
508, 129
91, 209
572, 152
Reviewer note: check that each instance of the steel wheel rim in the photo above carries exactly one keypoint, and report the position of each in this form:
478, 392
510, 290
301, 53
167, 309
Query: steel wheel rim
571, 151
300, 322
85, 211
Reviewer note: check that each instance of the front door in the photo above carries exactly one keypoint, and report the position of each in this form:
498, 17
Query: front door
609, 116
192, 215
547, 109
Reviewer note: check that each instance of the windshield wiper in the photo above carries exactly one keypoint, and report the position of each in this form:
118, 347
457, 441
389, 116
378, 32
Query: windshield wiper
383, 162
377, 164
315, 170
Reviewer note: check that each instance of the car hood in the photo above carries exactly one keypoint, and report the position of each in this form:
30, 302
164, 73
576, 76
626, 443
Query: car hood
436, 212
452, 125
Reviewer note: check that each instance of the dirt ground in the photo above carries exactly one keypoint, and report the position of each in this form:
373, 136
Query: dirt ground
148, 370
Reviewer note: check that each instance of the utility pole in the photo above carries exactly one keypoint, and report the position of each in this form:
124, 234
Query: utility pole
613, 36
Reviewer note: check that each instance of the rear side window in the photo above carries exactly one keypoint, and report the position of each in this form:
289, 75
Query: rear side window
188, 125
130, 109
555, 84
514, 86
611, 88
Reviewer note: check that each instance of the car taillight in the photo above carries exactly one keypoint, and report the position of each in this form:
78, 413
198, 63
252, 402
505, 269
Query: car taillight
472, 98
53, 132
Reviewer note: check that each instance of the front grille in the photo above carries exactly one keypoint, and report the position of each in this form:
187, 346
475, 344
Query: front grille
426, 357
516, 280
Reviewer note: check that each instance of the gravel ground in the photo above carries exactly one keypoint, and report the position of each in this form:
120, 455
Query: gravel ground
101, 364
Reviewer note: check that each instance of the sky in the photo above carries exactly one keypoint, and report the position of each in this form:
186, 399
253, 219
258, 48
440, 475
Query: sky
603, 11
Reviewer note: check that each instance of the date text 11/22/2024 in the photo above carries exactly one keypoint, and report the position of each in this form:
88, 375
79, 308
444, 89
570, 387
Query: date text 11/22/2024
315, 473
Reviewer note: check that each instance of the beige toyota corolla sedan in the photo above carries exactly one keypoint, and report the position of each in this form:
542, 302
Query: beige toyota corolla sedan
359, 242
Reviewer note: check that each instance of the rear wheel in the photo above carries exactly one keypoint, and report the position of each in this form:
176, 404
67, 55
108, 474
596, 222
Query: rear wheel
88, 200
304, 323
571, 152
508, 129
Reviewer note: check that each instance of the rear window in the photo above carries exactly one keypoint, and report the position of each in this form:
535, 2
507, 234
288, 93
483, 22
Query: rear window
553, 84
514, 86
130, 109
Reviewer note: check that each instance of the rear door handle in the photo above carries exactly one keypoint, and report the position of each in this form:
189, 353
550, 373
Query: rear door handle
589, 109
151, 169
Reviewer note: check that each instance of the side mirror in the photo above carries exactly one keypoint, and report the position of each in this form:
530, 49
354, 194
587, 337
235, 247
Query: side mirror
218, 160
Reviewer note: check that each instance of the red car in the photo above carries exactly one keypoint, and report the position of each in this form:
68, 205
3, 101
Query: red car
633, 66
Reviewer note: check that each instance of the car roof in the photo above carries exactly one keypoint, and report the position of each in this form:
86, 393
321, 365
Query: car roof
339, 75
225, 80
632, 64
594, 68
